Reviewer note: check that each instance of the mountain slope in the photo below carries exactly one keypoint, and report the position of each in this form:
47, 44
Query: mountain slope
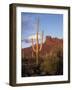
49, 45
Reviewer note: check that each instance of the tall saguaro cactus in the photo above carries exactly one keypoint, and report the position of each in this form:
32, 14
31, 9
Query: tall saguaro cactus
37, 49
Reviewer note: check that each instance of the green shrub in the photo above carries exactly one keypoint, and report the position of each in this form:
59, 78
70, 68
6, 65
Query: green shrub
53, 62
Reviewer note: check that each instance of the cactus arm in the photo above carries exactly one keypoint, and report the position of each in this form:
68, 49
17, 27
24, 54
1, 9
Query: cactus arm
37, 49
40, 47
37, 42
41, 43
33, 46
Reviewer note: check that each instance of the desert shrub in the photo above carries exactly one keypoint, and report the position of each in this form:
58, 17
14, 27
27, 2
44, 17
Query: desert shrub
49, 65
53, 62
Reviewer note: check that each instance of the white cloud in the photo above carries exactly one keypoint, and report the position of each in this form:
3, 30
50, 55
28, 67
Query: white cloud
29, 39
34, 37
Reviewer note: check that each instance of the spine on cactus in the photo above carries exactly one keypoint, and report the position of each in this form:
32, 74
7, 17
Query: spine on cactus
37, 49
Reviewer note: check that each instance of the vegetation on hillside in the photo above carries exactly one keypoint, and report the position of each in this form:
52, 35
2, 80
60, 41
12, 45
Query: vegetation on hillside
49, 64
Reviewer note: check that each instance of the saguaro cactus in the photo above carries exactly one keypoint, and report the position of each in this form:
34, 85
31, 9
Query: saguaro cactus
37, 49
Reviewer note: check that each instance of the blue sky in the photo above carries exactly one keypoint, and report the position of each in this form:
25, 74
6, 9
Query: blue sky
51, 24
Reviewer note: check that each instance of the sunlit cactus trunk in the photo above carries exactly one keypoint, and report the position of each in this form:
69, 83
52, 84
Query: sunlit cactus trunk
37, 49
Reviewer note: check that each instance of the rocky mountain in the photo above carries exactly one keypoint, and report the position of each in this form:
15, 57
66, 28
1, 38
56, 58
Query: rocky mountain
49, 45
